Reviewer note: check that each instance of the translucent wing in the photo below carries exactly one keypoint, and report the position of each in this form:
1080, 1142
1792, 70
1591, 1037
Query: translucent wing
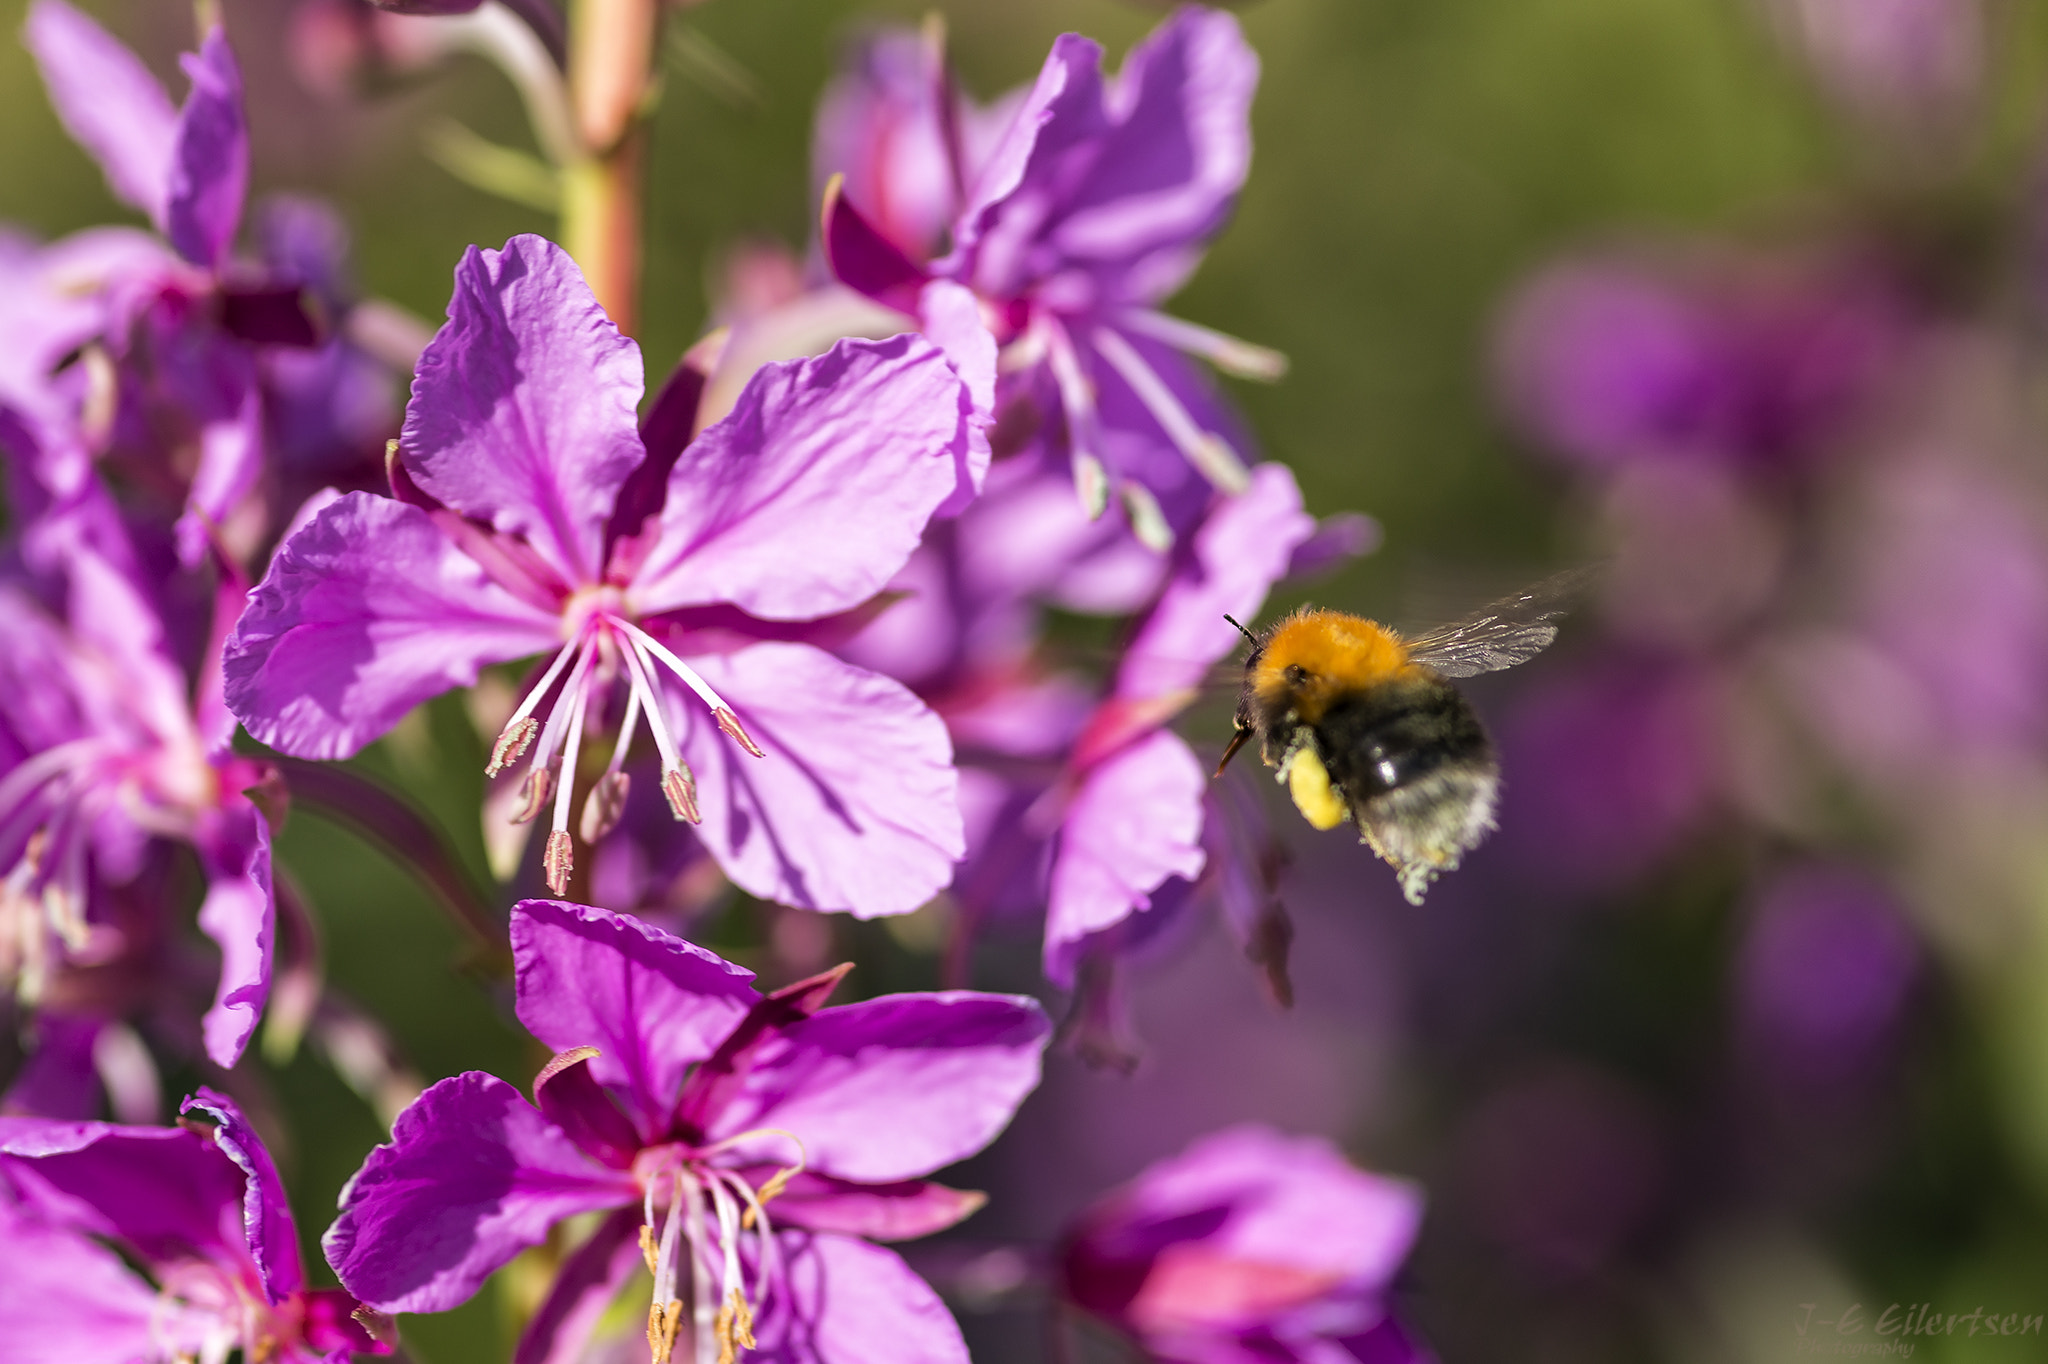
1512, 630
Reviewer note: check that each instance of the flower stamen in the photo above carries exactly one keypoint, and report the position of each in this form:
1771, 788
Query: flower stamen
665, 1313
677, 783
1212, 458
727, 720
559, 858
1228, 353
518, 733
1077, 397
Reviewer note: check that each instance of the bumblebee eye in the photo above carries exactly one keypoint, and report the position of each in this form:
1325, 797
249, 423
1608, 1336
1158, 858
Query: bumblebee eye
1296, 674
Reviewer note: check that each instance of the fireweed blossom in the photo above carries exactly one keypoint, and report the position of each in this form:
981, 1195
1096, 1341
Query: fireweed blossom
965, 635
741, 1146
103, 747
1080, 805
530, 517
159, 1244
1129, 806
1249, 1247
1089, 210
1755, 364
173, 377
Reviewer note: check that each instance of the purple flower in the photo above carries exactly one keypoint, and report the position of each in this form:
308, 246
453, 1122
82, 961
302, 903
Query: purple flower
1824, 973
328, 409
1091, 207
531, 517
751, 1141
1132, 798
1893, 61
1746, 363
104, 748
889, 123
1615, 768
1250, 1247
87, 1209
182, 324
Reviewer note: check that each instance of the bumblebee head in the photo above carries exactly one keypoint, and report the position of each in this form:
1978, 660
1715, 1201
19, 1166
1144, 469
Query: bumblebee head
1315, 656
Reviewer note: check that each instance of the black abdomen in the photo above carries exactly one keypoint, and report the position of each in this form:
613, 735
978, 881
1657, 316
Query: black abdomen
1389, 736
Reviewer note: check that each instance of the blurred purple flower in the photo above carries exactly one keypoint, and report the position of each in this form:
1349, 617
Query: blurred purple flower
683, 1103
1250, 1247
1614, 766
330, 408
1951, 586
182, 326
1608, 361
1824, 972
105, 746
1891, 60
530, 516
889, 122
133, 1243
1092, 206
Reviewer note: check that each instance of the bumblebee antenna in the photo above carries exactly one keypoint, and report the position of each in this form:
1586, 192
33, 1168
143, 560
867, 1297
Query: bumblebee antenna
1240, 629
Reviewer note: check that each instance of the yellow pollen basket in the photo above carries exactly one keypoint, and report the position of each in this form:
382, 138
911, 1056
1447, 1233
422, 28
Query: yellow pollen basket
1308, 782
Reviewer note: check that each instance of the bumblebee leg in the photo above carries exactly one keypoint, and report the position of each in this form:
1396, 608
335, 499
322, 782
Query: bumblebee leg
1236, 742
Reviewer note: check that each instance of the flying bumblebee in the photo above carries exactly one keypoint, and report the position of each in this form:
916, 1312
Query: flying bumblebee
1364, 725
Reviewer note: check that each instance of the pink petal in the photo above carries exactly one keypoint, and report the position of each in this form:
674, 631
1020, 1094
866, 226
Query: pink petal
266, 1211
809, 495
525, 408
108, 101
856, 807
67, 1300
899, 1211
209, 171
473, 1175
842, 1301
893, 1088
1243, 548
651, 1003
240, 917
363, 614
1136, 821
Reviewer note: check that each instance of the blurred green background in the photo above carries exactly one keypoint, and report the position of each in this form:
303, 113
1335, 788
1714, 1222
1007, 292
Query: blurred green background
1414, 159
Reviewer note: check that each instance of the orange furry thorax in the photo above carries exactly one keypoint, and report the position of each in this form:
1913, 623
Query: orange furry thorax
1339, 654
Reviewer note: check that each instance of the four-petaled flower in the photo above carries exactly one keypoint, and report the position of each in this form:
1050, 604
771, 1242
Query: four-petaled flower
1073, 225
741, 1143
531, 516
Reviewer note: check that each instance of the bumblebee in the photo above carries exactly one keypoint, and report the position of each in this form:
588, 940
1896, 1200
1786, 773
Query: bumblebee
1364, 725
